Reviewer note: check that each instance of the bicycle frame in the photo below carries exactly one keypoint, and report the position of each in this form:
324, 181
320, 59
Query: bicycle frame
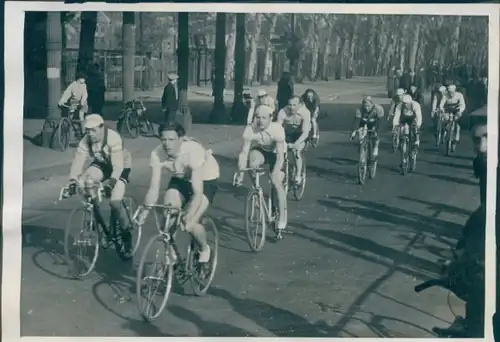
255, 176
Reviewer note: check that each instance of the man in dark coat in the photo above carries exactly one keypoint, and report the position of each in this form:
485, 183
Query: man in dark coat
169, 99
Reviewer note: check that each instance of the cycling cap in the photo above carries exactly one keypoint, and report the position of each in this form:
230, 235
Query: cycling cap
263, 109
406, 99
400, 92
261, 92
93, 120
452, 87
172, 77
442, 89
367, 99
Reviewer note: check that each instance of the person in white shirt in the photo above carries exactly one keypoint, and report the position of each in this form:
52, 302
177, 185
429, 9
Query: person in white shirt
75, 97
262, 98
264, 143
408, 112
453, 103
194, 182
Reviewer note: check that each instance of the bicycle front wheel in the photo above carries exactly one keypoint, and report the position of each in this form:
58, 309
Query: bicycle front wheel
85, 240
298, 189
404, 156
202, 274
154, 278
255, 221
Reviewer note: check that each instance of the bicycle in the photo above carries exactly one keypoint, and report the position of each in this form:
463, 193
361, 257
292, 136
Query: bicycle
291, 173
366, 160
449, 137
133, 119
200, 275
264, 212
67, 131
440, 132
395, 139
407, 147
93, 223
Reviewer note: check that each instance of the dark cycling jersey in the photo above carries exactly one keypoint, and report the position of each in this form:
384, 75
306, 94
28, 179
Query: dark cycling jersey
370, 118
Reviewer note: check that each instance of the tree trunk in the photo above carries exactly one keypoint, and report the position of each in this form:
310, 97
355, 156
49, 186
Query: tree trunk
54, 54
351, 50
218, 114
314, 61
455, 39
183, 115
342, 59
254, 39
239, 111
88, 25
402, 42
128, 62
230, 46
268, 59
325, 56
414, 44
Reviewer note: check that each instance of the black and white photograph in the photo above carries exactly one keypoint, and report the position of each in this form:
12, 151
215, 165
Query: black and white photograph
230, 170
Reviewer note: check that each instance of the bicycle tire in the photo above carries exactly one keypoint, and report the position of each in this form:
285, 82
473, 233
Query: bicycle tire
395, 141
372, 168
404, 156
439, 132
315, 141
449, 141
298, 190
61, 137
76, 273
250, 207
148, 131
145, 313
198, 288
132, 124
362, 164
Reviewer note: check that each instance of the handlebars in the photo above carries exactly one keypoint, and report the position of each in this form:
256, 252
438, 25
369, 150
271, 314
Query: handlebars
72, 189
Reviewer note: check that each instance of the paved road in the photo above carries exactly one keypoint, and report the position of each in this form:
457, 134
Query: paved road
348, 270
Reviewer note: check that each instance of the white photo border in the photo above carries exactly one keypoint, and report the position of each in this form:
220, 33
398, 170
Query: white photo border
13, 128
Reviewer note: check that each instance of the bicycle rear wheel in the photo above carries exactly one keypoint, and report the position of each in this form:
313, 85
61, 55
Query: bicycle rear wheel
132, 124
158, 282
79, 266
255, 221
62, 135
298, 189
202, 274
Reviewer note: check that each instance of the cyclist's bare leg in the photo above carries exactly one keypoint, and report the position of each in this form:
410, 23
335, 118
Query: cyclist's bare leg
299, 161
96, 174
314, 126
278, 185
116, 199
255, 159
457, 130
198, 231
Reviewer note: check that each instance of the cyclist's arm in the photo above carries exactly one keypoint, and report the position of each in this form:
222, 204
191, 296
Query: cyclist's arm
418, 114
81, 155
154, 185
245, 150
281, 117
380, 112
397, 115
195, 164
251, 112
442, 103
461, 103
85, 97
280, 149
116, 156
306, 128
356, 121
434, 104
66, 95
392, 107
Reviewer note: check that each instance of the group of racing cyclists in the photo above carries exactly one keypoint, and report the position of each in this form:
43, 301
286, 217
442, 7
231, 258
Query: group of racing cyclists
267, 137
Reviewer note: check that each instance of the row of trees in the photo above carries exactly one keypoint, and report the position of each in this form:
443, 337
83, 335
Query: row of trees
367, 44
337, 44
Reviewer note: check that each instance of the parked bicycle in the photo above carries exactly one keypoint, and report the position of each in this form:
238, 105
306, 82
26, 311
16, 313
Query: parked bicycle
64, 133
367, 163
134, 120
168, 262
291, 173
93, 224
408, 149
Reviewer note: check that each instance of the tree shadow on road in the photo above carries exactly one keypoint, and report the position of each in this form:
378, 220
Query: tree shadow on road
278, 321
208, 328
450, 179
440, 207
396, 216
451, 165
144, 329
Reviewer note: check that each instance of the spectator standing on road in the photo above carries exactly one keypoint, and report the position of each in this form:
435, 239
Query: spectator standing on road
285, 90
169, 99
96, 89
390, 82
480, 139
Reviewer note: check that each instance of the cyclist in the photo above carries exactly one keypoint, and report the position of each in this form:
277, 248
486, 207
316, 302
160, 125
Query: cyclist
111, 163
311, 100
437, 97
368, 114
264, 143
296, 121
409, 112
453, 103
394, 102
75, 97
262, 99
195, 173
